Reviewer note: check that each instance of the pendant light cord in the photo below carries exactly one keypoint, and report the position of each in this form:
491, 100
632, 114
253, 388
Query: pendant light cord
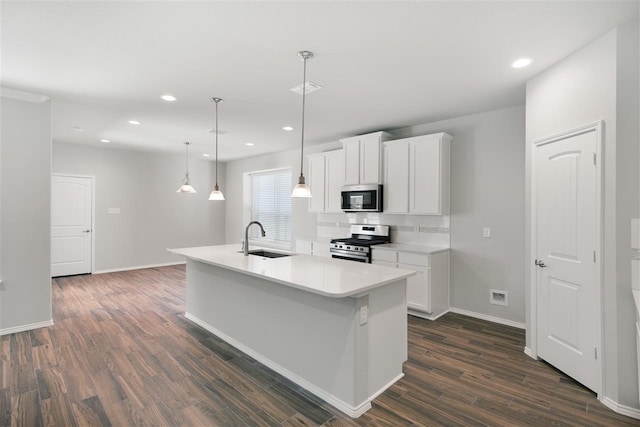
216, 187
304, 92
187, 180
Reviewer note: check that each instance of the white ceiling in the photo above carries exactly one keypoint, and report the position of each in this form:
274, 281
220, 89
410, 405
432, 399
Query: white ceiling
382, 65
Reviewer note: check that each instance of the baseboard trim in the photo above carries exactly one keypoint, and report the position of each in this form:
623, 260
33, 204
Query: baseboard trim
427, 316
23, 328
621, 409
352, 411
488, 318
138, 267
529, 353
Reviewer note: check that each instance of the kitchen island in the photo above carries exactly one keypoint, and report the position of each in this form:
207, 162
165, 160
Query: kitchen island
336, 328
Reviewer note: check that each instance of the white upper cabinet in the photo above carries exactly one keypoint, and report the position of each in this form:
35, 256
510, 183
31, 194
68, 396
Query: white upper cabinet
396, 178
362, 158
416, 175
326, 178
334, 180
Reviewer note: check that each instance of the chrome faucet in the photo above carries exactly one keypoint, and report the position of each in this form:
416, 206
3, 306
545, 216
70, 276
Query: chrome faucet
246, 236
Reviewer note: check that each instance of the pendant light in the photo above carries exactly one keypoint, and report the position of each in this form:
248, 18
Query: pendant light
186, 182
216, 194
302, 189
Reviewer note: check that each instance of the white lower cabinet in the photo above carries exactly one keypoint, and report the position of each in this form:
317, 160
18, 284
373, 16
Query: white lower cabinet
309, 247
428, 290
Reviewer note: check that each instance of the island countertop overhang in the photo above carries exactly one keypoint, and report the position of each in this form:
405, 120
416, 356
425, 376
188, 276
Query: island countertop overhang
324, 276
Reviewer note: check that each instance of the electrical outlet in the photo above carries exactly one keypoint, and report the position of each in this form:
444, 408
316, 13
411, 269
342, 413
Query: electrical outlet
497, 297
486, 231
364, 315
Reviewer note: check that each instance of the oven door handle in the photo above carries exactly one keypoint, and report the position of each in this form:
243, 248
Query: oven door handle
349, 253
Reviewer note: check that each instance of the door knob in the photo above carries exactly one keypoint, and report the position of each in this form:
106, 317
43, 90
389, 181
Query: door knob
86, 231
540, 263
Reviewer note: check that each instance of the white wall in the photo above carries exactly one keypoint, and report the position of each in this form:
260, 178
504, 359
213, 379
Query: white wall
599, 82
153, 217
25, 193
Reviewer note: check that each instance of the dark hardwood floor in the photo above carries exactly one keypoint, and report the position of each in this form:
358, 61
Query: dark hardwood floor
121, 353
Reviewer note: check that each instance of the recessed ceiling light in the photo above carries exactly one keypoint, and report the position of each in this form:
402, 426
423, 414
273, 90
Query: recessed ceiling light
287, 128
169, 98
134, 122
106, 141
78, 129
205, 154
249, 144
521, 63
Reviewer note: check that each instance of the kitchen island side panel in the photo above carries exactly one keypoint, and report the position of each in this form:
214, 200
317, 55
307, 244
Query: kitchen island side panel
318, 339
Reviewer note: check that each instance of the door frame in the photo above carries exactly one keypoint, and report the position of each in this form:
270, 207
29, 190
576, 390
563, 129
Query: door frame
93, 213
532, 349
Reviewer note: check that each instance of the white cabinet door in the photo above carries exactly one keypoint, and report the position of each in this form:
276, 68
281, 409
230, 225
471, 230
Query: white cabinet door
418, 288
317, 182
424, 173
321, 249
417, 175
396, 178
370, 159
334, 180
363, 158
351, 161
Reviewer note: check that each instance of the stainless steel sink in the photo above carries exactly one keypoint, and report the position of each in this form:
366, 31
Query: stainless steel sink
268, 254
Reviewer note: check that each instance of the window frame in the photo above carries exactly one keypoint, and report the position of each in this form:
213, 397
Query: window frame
248, 210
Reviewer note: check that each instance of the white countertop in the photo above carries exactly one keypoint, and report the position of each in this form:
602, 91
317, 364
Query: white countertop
325, 276
419, 249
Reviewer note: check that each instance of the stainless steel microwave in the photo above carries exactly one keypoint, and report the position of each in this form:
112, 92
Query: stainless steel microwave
362, 198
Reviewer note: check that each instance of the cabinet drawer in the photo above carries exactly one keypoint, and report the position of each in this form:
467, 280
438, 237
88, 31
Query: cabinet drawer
382, 255
413, 259
384, 263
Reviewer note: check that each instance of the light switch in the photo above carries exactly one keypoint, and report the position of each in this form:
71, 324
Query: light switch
486, 232
113, 211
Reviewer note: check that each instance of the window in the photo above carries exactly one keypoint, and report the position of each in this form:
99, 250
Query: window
271, 205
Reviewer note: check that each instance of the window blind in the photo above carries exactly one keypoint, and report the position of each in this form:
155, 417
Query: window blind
271, 204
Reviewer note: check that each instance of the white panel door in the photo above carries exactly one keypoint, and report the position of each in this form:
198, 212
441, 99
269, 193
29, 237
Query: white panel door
71, 234
568, 287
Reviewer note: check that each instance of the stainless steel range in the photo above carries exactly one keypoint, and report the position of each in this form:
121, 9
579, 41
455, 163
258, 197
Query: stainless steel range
358, 246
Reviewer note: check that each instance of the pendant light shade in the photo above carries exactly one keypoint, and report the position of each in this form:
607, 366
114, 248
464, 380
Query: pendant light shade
186, 186
216, 194
302, 189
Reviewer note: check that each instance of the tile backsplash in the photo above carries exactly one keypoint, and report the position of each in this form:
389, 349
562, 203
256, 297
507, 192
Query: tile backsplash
408, 229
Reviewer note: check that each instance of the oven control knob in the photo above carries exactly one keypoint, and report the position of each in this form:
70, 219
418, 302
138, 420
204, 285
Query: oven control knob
348, 247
